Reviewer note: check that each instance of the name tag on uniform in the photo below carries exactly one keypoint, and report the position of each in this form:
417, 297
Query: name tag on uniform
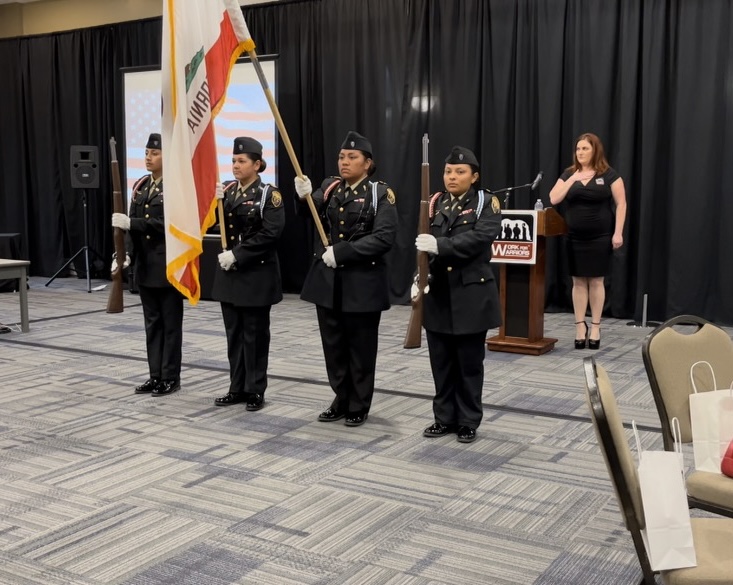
599, 182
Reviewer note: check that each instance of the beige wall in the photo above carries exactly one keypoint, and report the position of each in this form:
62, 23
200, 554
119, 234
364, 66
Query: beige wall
48, 16
11, 20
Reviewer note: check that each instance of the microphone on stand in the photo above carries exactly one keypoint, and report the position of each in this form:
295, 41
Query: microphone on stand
508, 190
536, 181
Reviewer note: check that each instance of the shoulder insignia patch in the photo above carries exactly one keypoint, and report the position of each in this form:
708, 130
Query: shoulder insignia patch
390, 196
277, 199
495, 205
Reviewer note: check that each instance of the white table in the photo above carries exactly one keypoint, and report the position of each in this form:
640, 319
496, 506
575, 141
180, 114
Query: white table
18, 269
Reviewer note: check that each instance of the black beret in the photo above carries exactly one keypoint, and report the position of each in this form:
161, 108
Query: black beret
244, 144
154, 141
461, 156
355, 141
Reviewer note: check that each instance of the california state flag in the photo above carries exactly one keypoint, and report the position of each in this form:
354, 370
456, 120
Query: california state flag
202, 39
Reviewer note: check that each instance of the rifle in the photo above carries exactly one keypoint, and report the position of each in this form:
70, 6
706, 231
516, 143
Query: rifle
414, 327
115, 303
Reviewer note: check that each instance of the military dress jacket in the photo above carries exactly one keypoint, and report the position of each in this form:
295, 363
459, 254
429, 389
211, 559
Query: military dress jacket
463, 296
145, 240
254, 222
361, 226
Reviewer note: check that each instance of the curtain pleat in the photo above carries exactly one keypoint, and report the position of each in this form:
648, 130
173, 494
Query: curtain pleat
514, 80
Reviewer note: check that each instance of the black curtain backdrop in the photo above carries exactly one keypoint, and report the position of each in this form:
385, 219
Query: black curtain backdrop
515, 80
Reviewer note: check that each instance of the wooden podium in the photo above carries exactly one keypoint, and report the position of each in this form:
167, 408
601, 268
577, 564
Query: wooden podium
522, 288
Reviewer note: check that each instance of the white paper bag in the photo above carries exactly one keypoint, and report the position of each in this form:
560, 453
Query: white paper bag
711, 416
668, 533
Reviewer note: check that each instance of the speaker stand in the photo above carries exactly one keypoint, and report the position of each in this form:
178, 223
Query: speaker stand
85, 249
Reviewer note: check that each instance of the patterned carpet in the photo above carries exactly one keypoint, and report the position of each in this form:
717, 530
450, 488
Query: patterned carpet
99, 485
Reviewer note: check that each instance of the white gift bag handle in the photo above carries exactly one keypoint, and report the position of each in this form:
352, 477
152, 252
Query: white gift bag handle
638, 441
676, 435
712, 373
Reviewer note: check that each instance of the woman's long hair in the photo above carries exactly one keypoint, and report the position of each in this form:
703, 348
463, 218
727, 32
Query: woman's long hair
598, 161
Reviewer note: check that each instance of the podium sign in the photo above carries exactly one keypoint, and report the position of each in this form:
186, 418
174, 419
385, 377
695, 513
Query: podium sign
517, 241
520, 249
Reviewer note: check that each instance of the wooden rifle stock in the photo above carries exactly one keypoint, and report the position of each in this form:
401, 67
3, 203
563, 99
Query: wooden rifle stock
413, 337
115, 302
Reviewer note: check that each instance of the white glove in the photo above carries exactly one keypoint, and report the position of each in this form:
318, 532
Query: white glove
120, 220
329, 258
303, 186
414, 290
125, 264
427, 243
219, 193
227, 260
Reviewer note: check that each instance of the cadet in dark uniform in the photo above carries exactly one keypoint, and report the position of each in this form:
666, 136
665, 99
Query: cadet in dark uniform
247, 281
463, 301
348, 280
162, 303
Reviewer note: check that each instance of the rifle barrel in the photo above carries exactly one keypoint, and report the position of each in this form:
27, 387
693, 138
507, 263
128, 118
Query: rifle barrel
115, 302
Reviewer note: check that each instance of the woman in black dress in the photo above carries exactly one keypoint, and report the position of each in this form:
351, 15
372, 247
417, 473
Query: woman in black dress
591, 189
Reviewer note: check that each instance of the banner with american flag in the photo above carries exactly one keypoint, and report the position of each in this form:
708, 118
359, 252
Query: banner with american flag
202, 40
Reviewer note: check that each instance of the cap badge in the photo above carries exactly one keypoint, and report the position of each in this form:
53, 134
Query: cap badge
460, 157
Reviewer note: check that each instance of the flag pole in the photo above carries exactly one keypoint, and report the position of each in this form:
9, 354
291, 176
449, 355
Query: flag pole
222, 225
286, 140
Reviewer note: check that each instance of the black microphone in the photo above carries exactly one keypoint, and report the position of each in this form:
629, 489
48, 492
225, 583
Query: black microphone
537, 180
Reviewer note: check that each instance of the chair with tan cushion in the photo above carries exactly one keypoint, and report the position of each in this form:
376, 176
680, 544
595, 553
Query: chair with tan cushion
713, 537
668, 355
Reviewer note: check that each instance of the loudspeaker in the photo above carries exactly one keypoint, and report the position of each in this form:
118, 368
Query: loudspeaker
84, 167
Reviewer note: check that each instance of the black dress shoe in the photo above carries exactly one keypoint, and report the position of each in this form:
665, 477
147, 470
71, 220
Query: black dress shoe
580, 343
330, 415
230, 398
355, 420
595, 343
255, 402
438, 430
166, 387
466, 435
147, 387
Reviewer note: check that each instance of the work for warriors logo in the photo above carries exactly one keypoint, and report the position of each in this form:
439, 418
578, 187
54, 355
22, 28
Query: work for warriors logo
517, 240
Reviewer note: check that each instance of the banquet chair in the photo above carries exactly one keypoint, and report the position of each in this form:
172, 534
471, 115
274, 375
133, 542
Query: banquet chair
712, 537
668, 355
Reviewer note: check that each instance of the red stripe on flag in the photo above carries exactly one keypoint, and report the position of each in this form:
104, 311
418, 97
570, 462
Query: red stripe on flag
205, 173
217, 61
189, 280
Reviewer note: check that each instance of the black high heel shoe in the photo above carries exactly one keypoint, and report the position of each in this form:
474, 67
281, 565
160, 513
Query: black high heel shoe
580, 343
595, 343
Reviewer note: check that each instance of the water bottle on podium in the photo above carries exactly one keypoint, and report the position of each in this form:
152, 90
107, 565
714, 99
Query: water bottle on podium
538, 205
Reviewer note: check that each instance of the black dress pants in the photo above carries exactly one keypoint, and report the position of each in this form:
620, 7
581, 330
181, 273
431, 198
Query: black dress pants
163, 312
457, 362
350, 348
248, 347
